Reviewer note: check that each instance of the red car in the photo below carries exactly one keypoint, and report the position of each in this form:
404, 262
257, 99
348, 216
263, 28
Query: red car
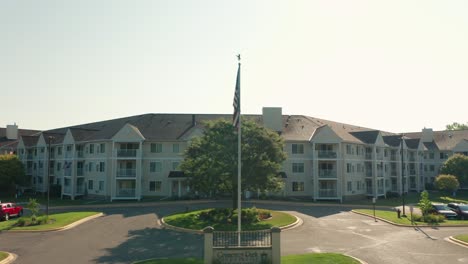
8, 210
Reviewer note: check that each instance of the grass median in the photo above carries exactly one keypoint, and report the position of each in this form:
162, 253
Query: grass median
191, 220
392, 217
463, 238
3, 255
55, 221
322, 258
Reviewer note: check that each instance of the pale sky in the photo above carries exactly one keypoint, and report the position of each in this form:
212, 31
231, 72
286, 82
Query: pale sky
395, 66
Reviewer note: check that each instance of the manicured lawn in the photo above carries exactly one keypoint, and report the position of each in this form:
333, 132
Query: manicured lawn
392, 216
463, 238
190, 220
3, 255
58, 220
319, 258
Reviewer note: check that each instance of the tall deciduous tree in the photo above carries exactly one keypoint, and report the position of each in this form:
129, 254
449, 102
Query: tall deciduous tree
456, 126
11, 172
210, 161
456, 165
447, 183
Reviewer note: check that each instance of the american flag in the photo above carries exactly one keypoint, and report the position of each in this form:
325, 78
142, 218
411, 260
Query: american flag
236, 103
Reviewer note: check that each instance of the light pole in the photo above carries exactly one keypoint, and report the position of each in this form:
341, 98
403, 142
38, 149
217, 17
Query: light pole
373, 203
48, 177
402, 177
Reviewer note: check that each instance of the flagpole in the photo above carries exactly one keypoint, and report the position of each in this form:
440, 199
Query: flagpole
239, 165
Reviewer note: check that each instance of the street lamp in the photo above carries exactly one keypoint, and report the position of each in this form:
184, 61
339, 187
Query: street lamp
48, 177
402, 177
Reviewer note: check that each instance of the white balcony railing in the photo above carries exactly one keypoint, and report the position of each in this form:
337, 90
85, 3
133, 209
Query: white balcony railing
126, 153
327, 154
327, 174
126, 192
328, 193
128, 173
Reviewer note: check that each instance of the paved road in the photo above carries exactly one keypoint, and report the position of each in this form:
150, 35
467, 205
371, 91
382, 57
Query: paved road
128, 234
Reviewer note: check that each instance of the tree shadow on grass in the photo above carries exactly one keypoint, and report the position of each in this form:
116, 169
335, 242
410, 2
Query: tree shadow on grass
151, 243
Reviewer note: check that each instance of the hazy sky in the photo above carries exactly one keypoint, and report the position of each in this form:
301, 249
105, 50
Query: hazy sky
391, 65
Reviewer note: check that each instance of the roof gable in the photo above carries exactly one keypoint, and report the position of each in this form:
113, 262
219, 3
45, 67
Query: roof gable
325, 134
128, 133
462, 146
68, 138
368, 137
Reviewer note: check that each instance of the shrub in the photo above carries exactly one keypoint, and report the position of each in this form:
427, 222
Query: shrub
33, 206
392, 194
447, 183
424, 203
429, 218
21, 222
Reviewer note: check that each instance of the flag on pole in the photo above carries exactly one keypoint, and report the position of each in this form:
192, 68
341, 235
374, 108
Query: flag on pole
236, 103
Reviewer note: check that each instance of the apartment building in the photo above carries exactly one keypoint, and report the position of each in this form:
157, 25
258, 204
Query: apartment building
137, 156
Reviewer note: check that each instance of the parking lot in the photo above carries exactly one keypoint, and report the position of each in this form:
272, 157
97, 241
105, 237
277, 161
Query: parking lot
127, 234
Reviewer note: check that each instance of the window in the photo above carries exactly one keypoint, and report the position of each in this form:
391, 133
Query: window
59, 150
443, 155
425, 167
298, 186
35, 152
297, 148
91, 148
358, 185
298, 167
101, 185
358, 152
156, 147
69, 148
155, 186
348, 167
90, 184
348, 149
90, 166
42, 150
350, 186
432, 168
175, 147
431, 155
102, 166
41, 165
103, 148
175, 164
155, 166
59, 166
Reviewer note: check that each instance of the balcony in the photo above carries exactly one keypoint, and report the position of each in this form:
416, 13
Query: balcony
67, 189
79, 154
80, 189
126, 173
368, 156
412, 172
126, 153
328, 174
393, 173
327, 154
125, 192
412, 158
79, 172
368, 173
29, 156
68, 154
380, 173
393, 157
325, 193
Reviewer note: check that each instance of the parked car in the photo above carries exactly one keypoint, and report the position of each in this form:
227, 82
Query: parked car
8, 210
444, 210
460, 209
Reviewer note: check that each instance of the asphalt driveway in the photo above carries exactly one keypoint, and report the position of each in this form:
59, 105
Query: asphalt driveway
127, 234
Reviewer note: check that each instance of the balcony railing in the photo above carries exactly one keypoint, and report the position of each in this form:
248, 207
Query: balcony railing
380, 191
328, 193
393, 173
327, 174
412, 158
80, 189
412, 172
67, 189
380, 173
327, 154
368, 156
129, 173
68, 154
79, 172
393, 157
79, 154
368, 173
126, 192
125, 153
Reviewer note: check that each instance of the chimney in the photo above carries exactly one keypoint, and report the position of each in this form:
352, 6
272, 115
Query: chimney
273, 118
12, 132
427, 135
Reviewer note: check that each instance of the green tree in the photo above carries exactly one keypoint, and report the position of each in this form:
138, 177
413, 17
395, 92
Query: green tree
447, 183
456, 165
210, 161
11, 173
456, 126
424, 203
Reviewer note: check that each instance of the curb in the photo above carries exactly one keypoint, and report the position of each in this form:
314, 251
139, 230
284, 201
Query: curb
11, 257
69, 226
359, 260
456, 241
401, 225
297, 223
135, 204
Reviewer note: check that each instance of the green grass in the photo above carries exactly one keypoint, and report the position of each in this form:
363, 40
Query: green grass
320, 258
392, 217
190, 221
3, 255
463, 238
58, 220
